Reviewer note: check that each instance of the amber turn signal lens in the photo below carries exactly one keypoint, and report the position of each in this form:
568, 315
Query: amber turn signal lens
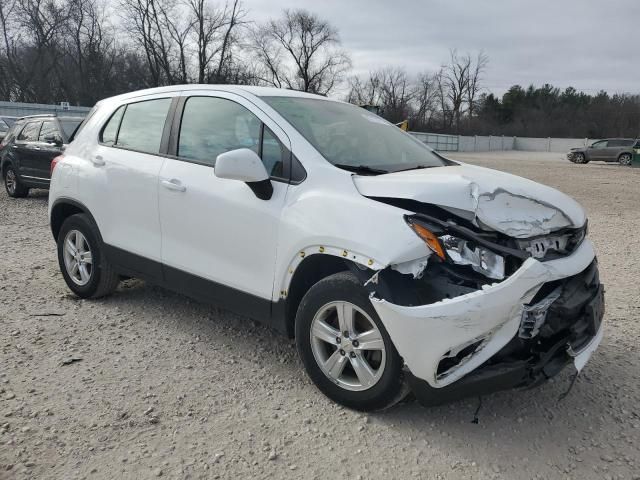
430, 239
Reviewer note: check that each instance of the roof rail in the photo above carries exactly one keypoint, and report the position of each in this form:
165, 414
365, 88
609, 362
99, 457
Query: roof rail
38, 115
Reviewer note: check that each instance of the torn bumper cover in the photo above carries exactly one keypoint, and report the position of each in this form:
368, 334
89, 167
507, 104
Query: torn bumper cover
474, 343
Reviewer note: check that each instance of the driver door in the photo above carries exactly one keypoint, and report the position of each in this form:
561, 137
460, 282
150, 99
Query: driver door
597, 150
219, 240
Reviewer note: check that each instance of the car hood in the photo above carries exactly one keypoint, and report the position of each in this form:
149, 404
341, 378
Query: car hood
492, 200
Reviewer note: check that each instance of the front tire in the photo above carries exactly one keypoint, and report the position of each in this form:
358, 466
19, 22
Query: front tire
81, 258
12, 183
625, 159
580, 158
345, 348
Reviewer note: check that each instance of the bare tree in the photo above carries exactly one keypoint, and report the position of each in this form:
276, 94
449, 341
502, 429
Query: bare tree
396, 93
300, 51
32, 39
215, 36
88, 53
474, 84
365, 91
426, 100
152, 27
456, 80
10, 67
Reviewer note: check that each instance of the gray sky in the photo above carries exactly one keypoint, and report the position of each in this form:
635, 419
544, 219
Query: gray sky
588, 44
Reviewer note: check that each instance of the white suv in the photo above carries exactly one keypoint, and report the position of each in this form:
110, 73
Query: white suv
393, 267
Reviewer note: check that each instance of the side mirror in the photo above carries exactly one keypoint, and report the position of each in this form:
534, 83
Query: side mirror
55, 139
245, 165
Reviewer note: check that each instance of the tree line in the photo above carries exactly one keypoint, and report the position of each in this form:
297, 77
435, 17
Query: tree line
84, 50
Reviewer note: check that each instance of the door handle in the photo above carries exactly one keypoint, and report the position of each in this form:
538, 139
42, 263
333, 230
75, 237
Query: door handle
97, 160
174, 184
36, 148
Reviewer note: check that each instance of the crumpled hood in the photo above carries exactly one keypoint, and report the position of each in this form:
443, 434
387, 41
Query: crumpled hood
491, 199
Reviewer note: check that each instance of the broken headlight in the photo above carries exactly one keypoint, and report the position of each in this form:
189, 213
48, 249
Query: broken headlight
482, 260
460, 251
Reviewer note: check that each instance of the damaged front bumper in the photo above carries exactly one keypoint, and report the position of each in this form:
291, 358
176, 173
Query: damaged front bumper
475, 343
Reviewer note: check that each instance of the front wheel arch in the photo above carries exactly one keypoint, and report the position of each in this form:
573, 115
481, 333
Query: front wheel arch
310, 271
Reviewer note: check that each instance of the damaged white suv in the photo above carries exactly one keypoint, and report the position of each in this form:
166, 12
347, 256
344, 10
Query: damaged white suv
393, 267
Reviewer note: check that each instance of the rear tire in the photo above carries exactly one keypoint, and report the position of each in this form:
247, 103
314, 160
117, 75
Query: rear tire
81, 258
361, 370
625, 159
12, 183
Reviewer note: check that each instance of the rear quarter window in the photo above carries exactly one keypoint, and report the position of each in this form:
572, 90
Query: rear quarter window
11, 134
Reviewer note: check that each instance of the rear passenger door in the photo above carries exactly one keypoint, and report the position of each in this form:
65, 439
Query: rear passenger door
219, 239
128, 160
614, 147
25, 151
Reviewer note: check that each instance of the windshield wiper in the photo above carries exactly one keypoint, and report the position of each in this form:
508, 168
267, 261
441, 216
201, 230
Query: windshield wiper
417, 167
361, 169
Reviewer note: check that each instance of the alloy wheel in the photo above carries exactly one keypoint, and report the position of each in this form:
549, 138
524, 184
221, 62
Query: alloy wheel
347, 346
10, 181
625, 159
78, 259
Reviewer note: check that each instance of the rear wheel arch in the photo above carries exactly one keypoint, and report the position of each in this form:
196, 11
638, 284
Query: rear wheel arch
62, 209
629, 154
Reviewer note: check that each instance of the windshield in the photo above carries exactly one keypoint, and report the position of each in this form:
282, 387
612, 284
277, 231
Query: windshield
353, 138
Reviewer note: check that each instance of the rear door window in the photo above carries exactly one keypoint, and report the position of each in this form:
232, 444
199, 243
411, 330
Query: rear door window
30, 132
142, 125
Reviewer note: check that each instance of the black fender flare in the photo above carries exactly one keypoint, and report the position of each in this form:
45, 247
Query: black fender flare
55, 225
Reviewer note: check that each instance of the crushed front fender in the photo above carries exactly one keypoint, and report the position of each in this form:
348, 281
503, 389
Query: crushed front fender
486, 319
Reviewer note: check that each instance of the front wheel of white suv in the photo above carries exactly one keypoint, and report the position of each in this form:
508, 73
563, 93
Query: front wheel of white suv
345, 348
81, 258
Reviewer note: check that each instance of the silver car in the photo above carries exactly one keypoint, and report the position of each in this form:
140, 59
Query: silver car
610, 150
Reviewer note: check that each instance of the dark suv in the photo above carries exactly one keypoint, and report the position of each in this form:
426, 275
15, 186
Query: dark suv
610, 150
28, 148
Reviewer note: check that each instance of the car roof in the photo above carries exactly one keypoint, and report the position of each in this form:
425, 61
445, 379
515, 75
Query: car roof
243, 90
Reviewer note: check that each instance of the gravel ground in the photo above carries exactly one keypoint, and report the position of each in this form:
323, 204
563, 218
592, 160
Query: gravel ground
164, 386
